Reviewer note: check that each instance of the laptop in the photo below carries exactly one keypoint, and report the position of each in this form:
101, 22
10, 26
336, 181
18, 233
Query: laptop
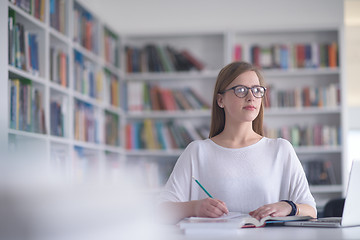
351, 213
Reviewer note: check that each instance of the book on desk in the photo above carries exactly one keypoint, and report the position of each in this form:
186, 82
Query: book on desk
231, 222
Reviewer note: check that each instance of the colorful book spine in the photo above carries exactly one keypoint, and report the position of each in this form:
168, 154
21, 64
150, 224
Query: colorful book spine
156, 58
309, 135
86, 29
322, 96
86, 122
26, 111
111, 52
289, 56
156, 134
112, 129
145, 96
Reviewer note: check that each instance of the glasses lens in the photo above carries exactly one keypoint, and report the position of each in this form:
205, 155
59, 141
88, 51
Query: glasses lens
258, 91
241, 91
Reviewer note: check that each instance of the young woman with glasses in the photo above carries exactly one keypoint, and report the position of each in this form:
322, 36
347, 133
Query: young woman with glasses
241, 169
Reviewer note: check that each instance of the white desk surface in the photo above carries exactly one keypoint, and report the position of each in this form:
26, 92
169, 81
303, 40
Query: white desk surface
275, 233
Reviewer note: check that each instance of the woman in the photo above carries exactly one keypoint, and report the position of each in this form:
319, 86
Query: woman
243, 170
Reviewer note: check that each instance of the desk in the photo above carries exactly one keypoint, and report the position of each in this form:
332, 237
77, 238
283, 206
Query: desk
278, 233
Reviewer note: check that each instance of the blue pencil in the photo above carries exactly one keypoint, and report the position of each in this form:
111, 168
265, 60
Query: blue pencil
202, 187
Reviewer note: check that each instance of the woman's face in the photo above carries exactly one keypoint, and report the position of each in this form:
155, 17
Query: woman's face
243, 109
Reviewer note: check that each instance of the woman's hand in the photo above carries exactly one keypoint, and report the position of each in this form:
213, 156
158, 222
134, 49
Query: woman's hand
279, 209
209, 207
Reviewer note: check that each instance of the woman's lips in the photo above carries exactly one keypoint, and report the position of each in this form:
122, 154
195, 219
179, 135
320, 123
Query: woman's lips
249, 108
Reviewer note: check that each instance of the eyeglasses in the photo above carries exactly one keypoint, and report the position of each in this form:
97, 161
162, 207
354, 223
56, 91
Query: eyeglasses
241, 91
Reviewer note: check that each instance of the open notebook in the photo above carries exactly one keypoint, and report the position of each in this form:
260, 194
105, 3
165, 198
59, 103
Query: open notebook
233, 221
351, 213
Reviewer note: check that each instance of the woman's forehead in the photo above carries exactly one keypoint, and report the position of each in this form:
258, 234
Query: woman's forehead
249, 78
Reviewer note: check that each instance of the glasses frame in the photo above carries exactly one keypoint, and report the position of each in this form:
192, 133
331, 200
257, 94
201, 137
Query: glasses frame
247, 92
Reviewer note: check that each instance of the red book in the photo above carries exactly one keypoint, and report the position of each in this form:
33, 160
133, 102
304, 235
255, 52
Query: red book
194, 61
332, 55
128, 131
237, 56
300, 55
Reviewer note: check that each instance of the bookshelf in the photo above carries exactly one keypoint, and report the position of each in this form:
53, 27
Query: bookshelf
287, 81
303, 69
71, 80
90, 80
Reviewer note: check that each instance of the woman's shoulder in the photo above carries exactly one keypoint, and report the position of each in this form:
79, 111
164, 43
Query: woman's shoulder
199, 143
278, 142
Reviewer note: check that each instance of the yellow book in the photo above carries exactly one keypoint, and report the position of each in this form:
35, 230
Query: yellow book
149, 135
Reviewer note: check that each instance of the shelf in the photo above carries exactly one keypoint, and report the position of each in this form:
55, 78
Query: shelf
318, 149
28, 134
27, 16
59, 88
23, 74
55, 33
87, 53
169, 114
62, 140
168, 76
84, 98
326, 188
275, 111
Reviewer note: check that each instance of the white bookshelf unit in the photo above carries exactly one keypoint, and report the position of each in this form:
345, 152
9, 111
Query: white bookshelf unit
72, 85
291, 114
99, 89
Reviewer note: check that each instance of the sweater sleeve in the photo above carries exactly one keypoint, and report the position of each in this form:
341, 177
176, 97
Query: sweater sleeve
178, 186
299, 190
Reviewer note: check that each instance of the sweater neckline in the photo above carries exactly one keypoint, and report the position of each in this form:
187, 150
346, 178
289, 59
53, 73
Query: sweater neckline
235, 149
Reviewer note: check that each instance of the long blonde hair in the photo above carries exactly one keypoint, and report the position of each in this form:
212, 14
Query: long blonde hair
225, 77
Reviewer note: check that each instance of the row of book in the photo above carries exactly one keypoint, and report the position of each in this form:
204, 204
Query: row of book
35, 8
325, 96
289, 56
58, 109
316, 135
58, 15
23, 50
86, 29
111, 129
157, 135
145, 96
26, 106
156, 58
111, 51
319, 172
86, 122
59, 67
87, 78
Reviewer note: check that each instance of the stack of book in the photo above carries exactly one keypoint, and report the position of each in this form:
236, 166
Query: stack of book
144, 96
23, 46
155, 58
26, 106
155, 135
317, 135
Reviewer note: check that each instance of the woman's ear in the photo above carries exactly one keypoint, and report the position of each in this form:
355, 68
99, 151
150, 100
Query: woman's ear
219, 100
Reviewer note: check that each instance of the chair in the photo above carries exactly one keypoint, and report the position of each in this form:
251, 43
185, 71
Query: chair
334, 208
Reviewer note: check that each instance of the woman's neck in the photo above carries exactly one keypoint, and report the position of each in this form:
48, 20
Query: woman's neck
241, 136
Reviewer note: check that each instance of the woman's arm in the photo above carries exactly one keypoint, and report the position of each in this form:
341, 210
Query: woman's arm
208, 207
306, 210
281, 209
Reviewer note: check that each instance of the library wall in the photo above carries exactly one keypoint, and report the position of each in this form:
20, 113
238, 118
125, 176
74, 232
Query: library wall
203, 15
